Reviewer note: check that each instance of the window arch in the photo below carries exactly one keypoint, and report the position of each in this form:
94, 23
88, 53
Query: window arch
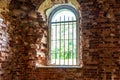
63, 34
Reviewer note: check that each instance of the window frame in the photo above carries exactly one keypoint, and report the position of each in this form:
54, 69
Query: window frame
72, 9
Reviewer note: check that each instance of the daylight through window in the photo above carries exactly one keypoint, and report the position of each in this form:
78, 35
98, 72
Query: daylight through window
63, 32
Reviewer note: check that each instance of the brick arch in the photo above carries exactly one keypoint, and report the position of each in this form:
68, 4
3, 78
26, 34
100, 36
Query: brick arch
49, 4
45, 5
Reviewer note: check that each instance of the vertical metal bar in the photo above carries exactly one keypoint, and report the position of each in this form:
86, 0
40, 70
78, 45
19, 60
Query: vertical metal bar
68, 41
60, 43
77, 41
64, 40
72, 42
56, 42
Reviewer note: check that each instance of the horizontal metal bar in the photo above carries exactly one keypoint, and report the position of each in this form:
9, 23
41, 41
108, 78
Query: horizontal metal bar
59, 66
63, 39
53, 25
63, 22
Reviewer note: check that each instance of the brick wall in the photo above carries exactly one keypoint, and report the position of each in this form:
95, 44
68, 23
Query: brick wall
101, 45
100, 29
4, 48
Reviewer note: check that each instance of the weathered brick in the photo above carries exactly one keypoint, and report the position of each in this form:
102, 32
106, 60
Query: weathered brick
20, 39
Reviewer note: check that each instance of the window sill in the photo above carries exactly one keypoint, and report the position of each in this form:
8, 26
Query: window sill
39, 66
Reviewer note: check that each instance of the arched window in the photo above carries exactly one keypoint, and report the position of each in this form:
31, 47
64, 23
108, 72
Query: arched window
63, 36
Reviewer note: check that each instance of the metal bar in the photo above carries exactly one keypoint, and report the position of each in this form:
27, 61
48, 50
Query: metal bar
60, 43
72, 42
56, 43
54, 24
68, 41
63, 22
77, 42
64, 41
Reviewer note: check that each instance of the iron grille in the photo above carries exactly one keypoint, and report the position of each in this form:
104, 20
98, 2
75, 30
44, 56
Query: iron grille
63, 42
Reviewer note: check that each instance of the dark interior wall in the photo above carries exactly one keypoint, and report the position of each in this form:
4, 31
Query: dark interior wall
101, 34
101, 45
25, 31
